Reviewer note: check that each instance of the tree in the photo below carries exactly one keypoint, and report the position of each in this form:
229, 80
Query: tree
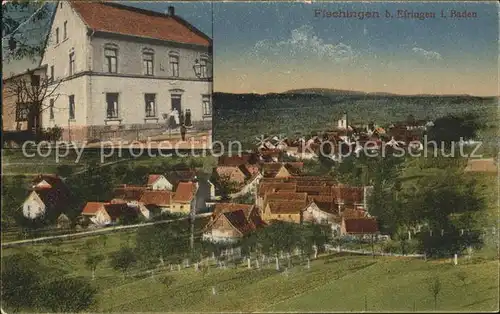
31, 93
226, 186
64, 171
92, 261
123, 260
23, 24
435, 289
452, 128
68, 295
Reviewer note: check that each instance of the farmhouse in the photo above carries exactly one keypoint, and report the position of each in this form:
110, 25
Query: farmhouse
159, 182
121, 70
48, 198
359, 227
183, 200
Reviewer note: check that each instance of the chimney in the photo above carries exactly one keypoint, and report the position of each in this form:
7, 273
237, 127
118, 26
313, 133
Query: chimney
171, 11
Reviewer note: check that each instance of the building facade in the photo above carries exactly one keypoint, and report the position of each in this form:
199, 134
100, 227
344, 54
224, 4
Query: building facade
117, 68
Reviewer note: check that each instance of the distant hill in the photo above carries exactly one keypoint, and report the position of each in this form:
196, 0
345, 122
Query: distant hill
315, 96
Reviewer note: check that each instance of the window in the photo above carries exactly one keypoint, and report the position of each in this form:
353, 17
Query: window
51, 72
72, 107
60, 5
174, 65
110, 60
203, 68
65, 29
22, 112
112, 105
57, 35
72, 63
150, 100
148, 63
207, 105
51, 109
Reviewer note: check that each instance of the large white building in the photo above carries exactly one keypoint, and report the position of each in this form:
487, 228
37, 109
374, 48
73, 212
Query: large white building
119, 69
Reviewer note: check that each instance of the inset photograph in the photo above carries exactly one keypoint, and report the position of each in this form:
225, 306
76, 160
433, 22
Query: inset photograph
107, 73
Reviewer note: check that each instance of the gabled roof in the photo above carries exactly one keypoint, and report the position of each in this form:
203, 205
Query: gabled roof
348, 194
121, 19
238, 219
324, 202
220, 208
285, 196
286, 207
119, 210
185, 192
152, 178
129, 192
269, 187
91, 208
315, 189
156, 197
177, 176
361, 225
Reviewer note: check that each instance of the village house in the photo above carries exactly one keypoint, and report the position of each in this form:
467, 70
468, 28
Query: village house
281, 170
272, 187
230, 222
122, 78
105, 213
290, 211
159, 182
49, 197
128, 192
184, 200
157, 201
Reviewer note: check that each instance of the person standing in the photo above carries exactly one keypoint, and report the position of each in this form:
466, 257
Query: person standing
183, 132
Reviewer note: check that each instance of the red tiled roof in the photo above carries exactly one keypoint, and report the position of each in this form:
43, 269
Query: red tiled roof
348, 194
285, 196
269, 187
115, 18
315, 190
129, 192
152, 178
361, 225
286, 207
238, 219
324, 202
119, 210
220, 208
234, 160
184, 192
91, 208
156, 197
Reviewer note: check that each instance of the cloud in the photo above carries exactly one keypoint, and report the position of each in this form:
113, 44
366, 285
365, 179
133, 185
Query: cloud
303, 43
427, 54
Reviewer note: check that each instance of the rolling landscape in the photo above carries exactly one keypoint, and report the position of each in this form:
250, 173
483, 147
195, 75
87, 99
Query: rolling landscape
244, 117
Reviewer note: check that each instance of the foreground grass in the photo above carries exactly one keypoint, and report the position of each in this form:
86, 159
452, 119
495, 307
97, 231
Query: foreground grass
334, 282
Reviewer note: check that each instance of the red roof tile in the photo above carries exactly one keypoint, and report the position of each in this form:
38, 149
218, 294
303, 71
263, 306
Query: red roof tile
152, 178
91, 208
185, 192
286, 207
269, 187
156, 197
115, 18
239, 220
361, 225
220, 208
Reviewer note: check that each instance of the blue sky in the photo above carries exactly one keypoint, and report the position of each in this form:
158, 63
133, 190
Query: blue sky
272, 47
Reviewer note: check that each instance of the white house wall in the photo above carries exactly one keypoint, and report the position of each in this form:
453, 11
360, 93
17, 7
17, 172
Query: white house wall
129, 60
131, 106
33, 206
58, 54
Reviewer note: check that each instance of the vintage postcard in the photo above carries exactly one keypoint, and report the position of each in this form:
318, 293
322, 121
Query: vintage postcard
228, 157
